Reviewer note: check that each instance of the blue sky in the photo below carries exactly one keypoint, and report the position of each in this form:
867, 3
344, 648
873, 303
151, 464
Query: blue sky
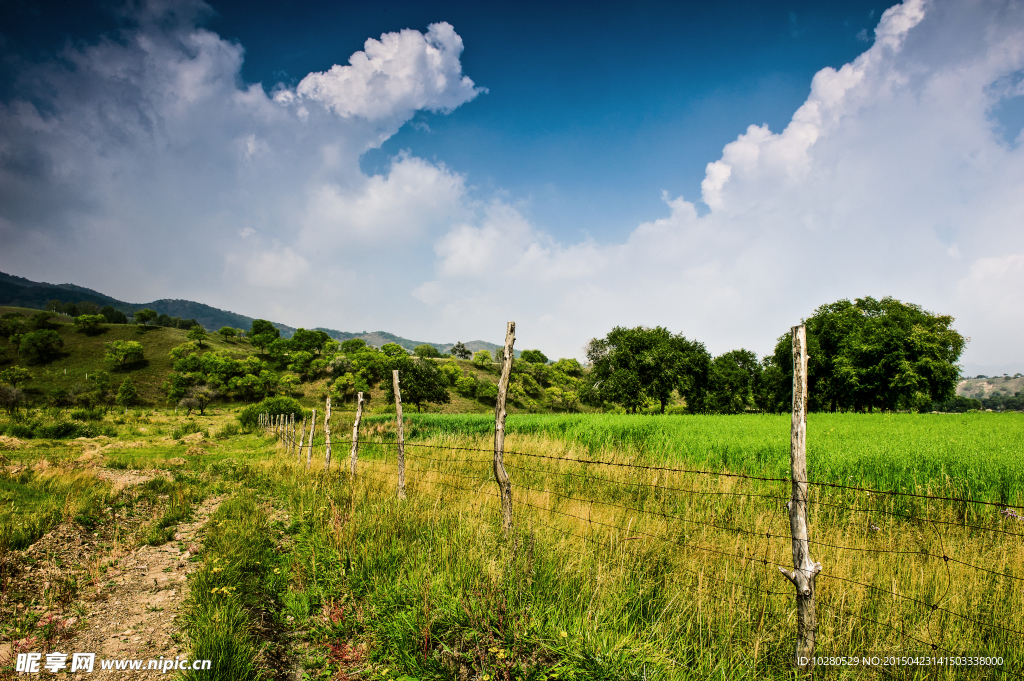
572, 168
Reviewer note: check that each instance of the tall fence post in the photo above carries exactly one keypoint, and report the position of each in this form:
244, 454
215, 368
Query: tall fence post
504, 482
804, 569
401, 435
355, 432
327, 435
312, 433
302, 439
291, 431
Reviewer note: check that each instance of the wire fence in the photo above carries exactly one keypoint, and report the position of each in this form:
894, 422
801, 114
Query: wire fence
683, 508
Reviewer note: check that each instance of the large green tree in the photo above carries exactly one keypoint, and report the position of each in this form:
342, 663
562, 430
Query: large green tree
420, 381
40, 346
876, 354
633, 366
262, 333
733, 382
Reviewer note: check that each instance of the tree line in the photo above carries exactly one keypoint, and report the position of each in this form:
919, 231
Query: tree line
865, 354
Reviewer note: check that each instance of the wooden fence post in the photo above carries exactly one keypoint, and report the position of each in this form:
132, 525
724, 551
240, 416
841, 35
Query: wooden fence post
302, 438
401, 435
327, 435
504, 481
804, 569
355, 432
291, 431
312, 433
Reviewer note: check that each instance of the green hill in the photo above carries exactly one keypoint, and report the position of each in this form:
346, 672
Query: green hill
24, 293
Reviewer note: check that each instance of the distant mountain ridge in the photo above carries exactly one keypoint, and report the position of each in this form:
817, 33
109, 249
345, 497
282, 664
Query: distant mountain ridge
20, 292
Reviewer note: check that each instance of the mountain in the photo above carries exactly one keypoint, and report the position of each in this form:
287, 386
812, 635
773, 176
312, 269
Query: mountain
20, 292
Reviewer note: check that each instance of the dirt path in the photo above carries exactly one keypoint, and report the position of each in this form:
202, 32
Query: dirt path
137, 612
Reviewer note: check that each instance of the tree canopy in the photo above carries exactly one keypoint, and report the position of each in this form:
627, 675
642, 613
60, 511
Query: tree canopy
632, 366
420, 381
145, 316
534, 357
460, 351
876, 354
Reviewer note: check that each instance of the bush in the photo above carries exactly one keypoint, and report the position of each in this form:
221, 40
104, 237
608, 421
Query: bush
39, 346
466, 386
21, 430
95, 414
229, 430
184, 429
248, 418
485, 390
62, 430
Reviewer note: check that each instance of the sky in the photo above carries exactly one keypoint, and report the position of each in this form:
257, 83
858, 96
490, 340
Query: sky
437, 169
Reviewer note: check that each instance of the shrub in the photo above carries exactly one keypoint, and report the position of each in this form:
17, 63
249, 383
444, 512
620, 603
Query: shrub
482, 358
485, 390
61, 430
127, 394
95, 414
452, 372
466, 386
248, 418
21, 430
40, 346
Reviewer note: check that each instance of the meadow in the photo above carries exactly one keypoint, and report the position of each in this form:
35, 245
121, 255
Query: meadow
610, 572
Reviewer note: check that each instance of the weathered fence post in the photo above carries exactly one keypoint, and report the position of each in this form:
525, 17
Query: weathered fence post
355, 432
804, 569
401, 435
312, 433
302, 439
327, 435
504, 482
291, 431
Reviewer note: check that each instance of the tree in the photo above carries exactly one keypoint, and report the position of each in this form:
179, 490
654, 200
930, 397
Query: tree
352, 345
632, 366
569, 367
113, 316
90, 324
460, 351
227, 332
145, 316
42, 320
393, 350
876, 354
733, 380
198, 398
40, 346
420, 381
11, 398
309, 340
426, 350
262, 333
534, 357
15, 375
197, 333
127, 394
482, 358
124, 353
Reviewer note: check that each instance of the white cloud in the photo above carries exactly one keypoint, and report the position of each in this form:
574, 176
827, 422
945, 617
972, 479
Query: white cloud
888, 153
893, 178
394, 77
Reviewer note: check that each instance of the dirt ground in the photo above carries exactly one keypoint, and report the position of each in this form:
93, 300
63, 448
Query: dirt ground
130, 611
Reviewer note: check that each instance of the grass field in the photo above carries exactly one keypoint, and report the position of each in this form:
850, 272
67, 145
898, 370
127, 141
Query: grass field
610, 572
975, 455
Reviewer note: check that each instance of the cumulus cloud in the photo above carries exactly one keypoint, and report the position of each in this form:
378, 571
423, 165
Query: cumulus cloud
891, 179
143, 166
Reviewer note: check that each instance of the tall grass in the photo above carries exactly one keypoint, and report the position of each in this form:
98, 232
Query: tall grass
979, 456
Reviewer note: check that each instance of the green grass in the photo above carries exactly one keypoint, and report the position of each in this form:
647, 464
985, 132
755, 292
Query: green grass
979, 456
608, 573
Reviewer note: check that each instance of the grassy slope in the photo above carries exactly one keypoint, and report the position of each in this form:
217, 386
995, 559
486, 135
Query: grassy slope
83, 355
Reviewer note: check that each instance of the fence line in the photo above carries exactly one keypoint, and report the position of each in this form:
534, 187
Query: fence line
804, 571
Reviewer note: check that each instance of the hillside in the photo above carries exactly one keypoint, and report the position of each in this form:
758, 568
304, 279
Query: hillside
82, 360
20, 292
